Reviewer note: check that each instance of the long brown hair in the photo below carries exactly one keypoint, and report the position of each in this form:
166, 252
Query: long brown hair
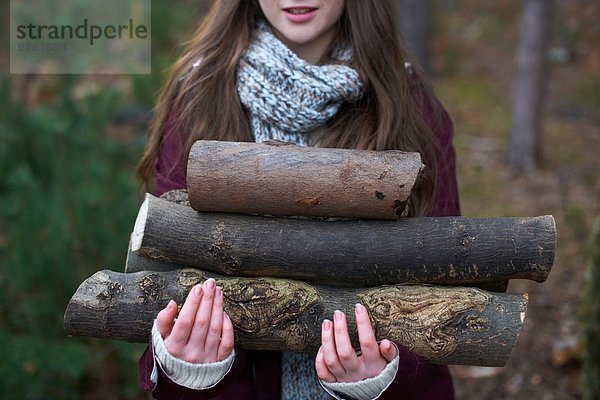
390, 115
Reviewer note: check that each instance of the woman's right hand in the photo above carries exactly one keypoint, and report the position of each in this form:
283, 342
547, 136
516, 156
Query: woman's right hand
202, 332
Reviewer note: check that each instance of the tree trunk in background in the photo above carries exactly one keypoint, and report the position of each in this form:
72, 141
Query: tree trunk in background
525, 141
414, 20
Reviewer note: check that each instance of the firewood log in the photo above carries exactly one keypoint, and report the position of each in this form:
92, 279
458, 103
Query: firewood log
136, 263
445, 325
445, 251
279, 178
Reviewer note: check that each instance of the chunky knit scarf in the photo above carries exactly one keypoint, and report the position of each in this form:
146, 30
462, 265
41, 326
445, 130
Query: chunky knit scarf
286, 97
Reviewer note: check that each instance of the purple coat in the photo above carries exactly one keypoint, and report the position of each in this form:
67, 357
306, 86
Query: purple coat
256, 375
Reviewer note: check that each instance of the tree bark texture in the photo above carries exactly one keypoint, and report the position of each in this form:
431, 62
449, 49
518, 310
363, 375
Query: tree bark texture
444, 325
279, 178
137, 263
446, 251
525, 140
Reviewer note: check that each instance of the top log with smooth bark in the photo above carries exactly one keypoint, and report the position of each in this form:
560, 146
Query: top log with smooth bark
279, 178
451, 250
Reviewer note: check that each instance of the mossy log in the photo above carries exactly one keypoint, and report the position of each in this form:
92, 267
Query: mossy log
444, 325
279, 178
445, 251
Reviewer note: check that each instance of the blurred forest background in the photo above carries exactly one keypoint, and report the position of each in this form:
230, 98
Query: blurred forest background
68, 197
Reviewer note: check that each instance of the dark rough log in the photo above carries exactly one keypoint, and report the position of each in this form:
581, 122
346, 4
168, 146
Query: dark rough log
446, 251
445, 325
279, 178
136, 263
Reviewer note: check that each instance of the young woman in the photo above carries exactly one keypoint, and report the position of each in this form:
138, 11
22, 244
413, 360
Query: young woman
327, 73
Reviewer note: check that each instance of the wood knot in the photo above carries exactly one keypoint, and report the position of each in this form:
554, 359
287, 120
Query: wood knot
190, 277
151, 288
112, 289
477, 324
399, 207
221, 250
309, 201
155, 254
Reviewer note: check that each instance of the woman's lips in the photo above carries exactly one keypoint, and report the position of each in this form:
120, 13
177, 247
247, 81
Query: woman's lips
300, 14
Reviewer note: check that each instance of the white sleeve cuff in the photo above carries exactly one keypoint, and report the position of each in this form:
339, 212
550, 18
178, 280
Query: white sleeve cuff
367, 389
189, 375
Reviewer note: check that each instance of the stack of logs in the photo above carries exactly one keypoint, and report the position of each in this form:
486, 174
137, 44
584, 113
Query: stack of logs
261, 224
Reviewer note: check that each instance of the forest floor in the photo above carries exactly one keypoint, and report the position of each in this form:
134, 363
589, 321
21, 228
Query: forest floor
546, 363
473, 54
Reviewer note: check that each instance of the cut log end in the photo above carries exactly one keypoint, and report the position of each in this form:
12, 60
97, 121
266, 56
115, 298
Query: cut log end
128, 257
525, 298
140, 225
552, 228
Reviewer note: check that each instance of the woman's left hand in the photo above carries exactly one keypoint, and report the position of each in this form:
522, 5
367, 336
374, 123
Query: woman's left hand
337, 360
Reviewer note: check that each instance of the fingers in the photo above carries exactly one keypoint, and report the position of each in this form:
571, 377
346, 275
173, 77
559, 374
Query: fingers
323, 372
166, 318
366, 337
183, 326
330, 356
388, 350
337, 360
202, 333
203, 318
213, 335
227, 340
345, 351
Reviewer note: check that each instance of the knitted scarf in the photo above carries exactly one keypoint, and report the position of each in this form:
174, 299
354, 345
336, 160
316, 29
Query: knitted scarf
286, 97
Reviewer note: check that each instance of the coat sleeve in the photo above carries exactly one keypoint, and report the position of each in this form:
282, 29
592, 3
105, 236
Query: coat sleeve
153, 379
171, 162
418, 379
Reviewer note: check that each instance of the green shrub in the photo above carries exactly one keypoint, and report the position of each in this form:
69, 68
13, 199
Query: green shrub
35, 368
68, 201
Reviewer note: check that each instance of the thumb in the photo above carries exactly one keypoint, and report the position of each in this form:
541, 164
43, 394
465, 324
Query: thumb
166, 319
387, 350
